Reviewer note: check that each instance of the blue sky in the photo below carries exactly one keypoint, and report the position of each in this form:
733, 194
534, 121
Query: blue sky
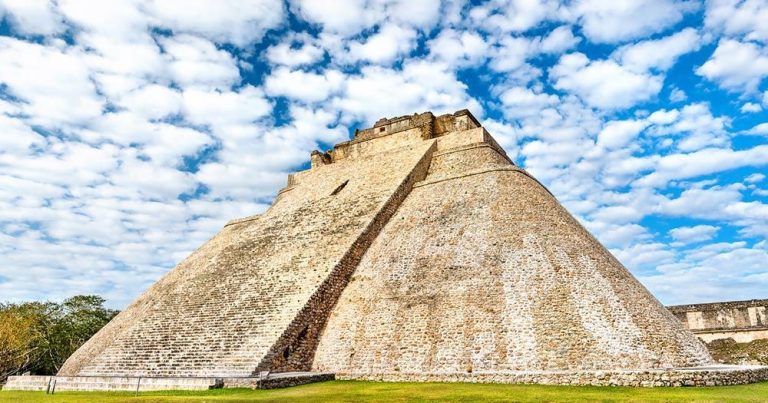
131, 131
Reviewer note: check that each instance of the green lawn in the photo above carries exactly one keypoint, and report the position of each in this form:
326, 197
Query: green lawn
351, 391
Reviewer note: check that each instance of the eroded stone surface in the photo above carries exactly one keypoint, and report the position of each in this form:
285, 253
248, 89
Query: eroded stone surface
742, 321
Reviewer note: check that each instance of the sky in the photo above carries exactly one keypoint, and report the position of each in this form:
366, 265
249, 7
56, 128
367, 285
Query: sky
131, 131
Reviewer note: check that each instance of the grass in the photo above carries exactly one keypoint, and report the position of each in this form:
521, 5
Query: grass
355, 391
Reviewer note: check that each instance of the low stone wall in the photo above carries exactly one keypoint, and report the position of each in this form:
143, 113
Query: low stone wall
108, 383
743, 321
141, 384
704, 376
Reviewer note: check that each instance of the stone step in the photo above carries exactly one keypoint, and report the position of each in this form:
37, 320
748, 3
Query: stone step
107, 383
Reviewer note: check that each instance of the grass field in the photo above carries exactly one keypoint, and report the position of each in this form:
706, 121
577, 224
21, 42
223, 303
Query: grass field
350, 391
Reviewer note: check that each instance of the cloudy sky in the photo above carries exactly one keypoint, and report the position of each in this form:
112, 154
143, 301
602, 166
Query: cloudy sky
131, 131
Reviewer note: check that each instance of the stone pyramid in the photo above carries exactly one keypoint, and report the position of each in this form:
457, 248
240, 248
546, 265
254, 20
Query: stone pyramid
417, 250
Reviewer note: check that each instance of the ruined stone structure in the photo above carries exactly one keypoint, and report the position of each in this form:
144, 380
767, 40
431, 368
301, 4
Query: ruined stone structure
742, 321
415, 251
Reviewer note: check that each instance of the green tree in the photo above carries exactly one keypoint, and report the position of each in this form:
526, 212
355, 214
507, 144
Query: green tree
18, 340
38, 337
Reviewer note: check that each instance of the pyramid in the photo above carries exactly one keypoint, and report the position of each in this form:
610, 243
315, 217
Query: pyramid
415, 251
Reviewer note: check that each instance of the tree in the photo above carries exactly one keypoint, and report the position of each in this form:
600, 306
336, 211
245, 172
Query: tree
18, 340
39, 337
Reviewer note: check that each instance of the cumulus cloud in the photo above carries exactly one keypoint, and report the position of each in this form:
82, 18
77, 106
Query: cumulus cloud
738, 17
698, 233
758, 130
659, 54
604, 83
513, 15
419, 86
703, 162
33, 17
385, 46
618, 21
522, 102
197, 62
233, 21
458, 48
303, 86
295, 51
349, 18
620, 133
754, 178
133, 130
751, 107
736, 65
558, 40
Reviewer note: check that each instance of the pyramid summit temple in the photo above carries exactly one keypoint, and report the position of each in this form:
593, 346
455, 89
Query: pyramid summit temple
416, 251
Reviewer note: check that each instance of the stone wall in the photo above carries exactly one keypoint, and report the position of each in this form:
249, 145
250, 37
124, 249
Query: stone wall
743, 321
715, 376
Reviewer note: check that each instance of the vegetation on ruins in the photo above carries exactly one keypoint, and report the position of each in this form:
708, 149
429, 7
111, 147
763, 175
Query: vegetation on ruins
728, 351
358, 391
37, 337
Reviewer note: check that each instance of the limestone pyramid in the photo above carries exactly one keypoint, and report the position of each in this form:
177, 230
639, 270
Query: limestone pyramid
417, 247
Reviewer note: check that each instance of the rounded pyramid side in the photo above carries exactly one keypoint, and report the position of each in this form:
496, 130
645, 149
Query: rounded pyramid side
482, 270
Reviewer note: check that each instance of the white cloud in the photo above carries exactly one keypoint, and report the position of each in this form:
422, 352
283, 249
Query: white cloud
651, 254
121, 20
303, 86
603, 83
511, 53
703, 162
759, 130
522, 102
54, 83
702, 129
750, 107
132, 138
197, 62
659, 54
698, 233
513, 15
738, 17
718, 202
620, 235
420, 14
340, 17
736, 65
619, 21
384, 46
220, 109
419, 86
754, 178
664, 117
677, 95
17, 137
240, 22
152, 101
458, 48
350, 17
618, 134
699, 275
33, 17
559, 40
284, 53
